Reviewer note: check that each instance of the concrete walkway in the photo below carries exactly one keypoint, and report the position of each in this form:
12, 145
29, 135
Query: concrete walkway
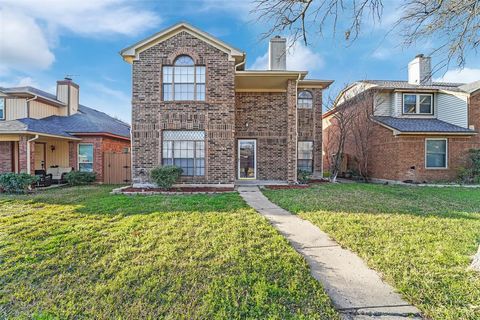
357, 292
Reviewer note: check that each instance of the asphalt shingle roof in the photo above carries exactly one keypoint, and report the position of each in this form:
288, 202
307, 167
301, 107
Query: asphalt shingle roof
395, 84
421, 125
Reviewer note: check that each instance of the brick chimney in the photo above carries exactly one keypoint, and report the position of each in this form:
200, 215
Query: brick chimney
420, 70
69, 93
277, 53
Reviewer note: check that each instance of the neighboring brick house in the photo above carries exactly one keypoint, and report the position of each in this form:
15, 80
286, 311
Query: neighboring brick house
194, 105
421, 130
42, 131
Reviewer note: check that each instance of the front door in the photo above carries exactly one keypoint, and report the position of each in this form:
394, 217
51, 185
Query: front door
247, 159
40, 156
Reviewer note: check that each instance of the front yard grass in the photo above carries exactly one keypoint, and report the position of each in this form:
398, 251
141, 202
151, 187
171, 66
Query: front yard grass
80, 253
421, 239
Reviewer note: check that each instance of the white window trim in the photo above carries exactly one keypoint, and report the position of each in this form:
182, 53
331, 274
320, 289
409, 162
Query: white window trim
254, 159
93, 155
417, 108
195, 83
4, 108
446, 154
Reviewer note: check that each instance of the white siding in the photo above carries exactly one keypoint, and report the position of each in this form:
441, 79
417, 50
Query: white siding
16, 108
383, 104
452, 109
397, 104
40, 110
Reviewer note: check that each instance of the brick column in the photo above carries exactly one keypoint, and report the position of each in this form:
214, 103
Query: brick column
72, 154
317, 134
291, 131
23, 160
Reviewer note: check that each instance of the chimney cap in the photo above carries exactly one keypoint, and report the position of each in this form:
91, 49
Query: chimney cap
420, 55
68, 79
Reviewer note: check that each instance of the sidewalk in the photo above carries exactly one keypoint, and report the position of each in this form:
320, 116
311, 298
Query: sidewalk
357, 291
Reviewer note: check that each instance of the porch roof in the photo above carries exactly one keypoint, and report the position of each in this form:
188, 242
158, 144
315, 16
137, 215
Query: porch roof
33, 126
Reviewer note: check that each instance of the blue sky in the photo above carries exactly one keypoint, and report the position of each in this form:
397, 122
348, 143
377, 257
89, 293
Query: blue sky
42, 41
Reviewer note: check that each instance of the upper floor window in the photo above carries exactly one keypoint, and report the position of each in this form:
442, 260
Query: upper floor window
305, 100
2, 109
184, 80
417, 103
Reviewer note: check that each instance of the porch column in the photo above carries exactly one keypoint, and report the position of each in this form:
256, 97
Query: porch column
291, 131
23, 157
72, 154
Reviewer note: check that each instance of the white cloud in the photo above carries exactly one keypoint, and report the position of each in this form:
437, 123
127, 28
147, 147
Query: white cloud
465, 75
299, 57
19, 82
23, 45
29, 28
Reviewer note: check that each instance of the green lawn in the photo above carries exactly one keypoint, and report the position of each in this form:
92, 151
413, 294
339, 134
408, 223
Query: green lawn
421, 239
80, 253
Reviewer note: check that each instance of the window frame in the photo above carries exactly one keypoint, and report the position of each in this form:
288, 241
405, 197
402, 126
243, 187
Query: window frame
195, 83
417, 104
194, 153
93, 156
311, 99
313, 153
446, 153
4, 109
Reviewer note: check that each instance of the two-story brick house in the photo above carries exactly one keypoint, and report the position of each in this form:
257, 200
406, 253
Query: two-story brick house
195, 106
421, 130
40, 131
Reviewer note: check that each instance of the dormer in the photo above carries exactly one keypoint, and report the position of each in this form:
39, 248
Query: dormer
68, 93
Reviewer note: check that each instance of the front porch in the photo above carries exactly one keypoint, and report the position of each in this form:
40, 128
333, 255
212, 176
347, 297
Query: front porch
30, 152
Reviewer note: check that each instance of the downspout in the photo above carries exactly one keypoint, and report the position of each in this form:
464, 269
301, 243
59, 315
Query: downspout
240, 63
296, 127
28, 104
29, 165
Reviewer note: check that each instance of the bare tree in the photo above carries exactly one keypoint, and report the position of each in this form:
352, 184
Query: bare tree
362, 128
337, 131
453, 24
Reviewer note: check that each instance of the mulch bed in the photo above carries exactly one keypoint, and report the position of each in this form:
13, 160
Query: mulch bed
286, 187
178, 190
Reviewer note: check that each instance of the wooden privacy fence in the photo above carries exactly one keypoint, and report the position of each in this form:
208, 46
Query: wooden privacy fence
117, 168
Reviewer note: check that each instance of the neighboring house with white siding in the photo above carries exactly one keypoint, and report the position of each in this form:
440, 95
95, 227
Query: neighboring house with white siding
423, 129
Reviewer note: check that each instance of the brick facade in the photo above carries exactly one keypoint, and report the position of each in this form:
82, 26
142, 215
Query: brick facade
402, 158
216, 115
226, 116
6, 156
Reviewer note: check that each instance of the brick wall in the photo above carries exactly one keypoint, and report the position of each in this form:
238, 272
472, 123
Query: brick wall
6, 149
216, 115
263, 117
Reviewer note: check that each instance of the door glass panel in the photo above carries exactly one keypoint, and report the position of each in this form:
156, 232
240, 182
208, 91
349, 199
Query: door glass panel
246, 157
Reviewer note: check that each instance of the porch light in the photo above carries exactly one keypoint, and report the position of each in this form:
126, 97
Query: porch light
52, 147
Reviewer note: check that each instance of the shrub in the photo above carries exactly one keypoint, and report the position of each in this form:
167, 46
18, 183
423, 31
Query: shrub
79, 178
326, 174
166, 176
16, 182
303, 176
471, 174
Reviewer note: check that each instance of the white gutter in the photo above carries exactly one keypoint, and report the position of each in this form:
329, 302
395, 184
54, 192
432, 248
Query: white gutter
29, 165
28, 104
240, 63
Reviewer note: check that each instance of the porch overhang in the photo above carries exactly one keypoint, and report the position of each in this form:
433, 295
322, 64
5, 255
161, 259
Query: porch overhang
265, 80
15, 135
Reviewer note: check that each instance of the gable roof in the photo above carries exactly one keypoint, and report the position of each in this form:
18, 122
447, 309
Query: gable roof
398, 84
416, 125
131, 53
34, 92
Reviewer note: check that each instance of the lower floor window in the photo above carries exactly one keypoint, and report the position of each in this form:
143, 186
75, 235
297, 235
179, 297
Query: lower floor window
185, 149
436, 153
85, 157
305, 156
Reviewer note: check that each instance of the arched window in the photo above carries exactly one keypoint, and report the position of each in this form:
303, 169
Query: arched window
184, 80
305, 100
